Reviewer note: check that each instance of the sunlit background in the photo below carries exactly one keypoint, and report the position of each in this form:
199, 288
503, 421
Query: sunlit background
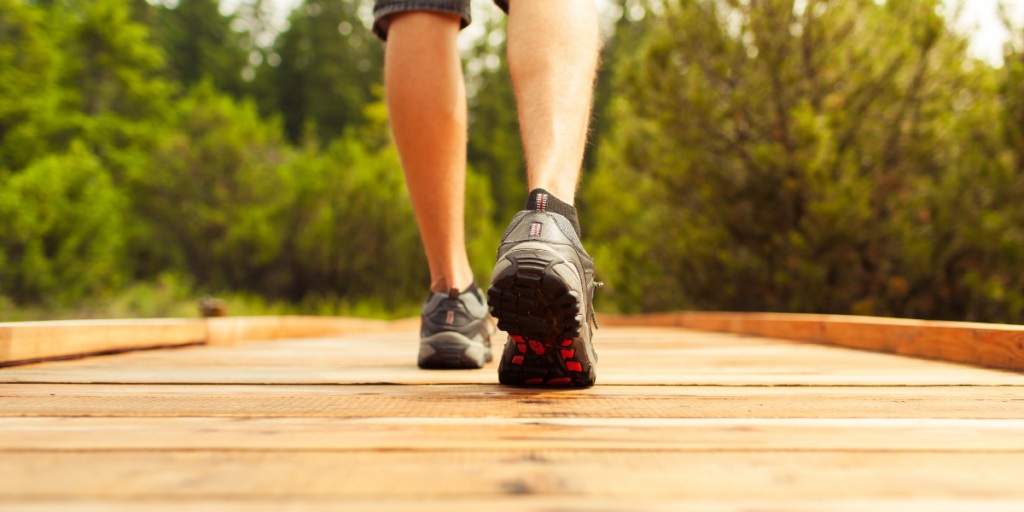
851, 156
980, 19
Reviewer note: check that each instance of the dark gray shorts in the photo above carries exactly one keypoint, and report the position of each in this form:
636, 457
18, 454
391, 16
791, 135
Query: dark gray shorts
382, 9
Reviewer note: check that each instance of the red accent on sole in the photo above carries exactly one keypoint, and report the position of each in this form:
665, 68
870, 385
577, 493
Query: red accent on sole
517, 338
574, 366
517, 360
560, 381
533, 381
522, 347
566, 343
567, 353
537, 346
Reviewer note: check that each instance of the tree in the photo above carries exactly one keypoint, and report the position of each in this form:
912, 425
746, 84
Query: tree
329, 63
200, 43
30, 93
61, 230
1013, 90
495, 148
835, 159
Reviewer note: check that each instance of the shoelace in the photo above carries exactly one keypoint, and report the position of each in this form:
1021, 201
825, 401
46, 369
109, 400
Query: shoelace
593, 315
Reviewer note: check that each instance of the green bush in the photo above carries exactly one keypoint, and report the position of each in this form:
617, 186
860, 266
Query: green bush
845, 159
213, 194
166, 180
355, 233
29, 92
61, 230
226, 200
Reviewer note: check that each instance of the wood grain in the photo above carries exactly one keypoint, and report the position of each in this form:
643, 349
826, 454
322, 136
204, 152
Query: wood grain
316, 423
520, 503
30, 342
497, 390
505, 434
629, 357
235, 330
496, 404
992, 345
22, 342
651, 474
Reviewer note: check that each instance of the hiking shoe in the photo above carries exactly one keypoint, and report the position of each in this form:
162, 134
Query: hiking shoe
455, 333
542, 295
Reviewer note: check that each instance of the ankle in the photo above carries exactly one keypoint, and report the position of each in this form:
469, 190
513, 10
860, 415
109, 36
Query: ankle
542, 200
462, 282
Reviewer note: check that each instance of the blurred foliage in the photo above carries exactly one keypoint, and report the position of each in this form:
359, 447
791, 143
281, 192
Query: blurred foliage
61, 227
133, 149
174, 296
494, 147
30, 95
844, 159
199, 43
835, 156
328, 63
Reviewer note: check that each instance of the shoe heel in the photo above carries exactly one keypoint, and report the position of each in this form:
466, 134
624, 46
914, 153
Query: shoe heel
452, 351
532, 296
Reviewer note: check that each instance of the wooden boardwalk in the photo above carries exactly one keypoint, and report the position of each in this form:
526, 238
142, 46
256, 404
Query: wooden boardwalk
680, 420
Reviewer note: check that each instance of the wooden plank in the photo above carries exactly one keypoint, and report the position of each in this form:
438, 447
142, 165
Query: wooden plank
219, 474
313, 375
784, 363
518, 503
380, 403
497, 390
29, 342
24, 342
260, 442
993, 345
235, 330
778, 359
628, 357
504, 434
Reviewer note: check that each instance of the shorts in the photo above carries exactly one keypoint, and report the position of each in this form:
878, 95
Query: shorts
382, 9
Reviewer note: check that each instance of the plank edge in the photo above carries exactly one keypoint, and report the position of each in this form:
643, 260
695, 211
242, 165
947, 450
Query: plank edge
24, 343
991, 345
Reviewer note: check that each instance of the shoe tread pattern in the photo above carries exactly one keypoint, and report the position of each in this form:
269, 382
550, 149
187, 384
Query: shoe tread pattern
538, 310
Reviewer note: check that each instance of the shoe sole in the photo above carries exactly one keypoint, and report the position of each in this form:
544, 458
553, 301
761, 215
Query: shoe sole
543, 317
453, 351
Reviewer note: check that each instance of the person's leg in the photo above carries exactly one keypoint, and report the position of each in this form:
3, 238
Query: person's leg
543, 281
553, 50
426, 100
